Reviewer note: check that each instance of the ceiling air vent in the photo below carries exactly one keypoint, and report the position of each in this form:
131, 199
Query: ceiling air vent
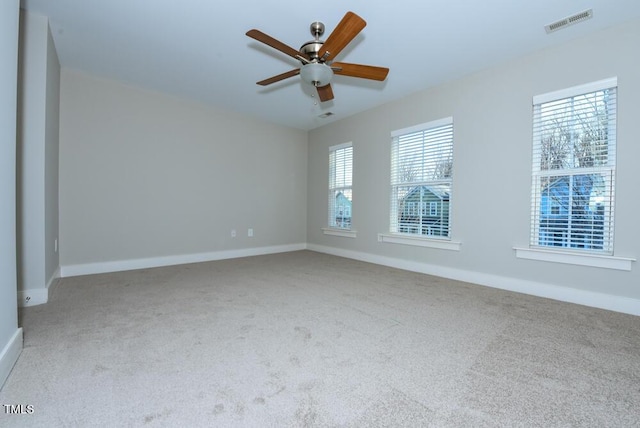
574, 19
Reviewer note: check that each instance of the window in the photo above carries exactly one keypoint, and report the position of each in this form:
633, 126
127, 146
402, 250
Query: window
574, 157
433, 208
340, 194
421, 173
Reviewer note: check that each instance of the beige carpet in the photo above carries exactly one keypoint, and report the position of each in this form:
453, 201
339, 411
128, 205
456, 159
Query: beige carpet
306, 339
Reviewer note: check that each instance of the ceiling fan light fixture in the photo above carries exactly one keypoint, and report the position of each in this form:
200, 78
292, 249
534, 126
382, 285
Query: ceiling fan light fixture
316, 74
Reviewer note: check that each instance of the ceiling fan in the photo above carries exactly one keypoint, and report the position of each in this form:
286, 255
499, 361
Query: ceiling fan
317, 56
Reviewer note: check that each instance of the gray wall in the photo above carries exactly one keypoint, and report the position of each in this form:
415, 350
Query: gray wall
10, 339
145, 175
492, 112
38, 122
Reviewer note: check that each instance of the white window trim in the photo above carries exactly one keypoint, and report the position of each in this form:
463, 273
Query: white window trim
573, 258
576, 90
334, 231
341, 146
417, 128
419, 241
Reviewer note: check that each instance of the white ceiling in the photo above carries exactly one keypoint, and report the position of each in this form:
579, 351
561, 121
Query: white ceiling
198, 48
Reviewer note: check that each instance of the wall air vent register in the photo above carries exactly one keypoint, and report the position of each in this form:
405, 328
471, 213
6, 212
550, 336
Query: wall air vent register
564, 23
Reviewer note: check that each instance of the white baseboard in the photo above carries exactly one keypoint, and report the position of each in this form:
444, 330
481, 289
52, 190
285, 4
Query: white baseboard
566, 294
572, 295
32, 297
37, 296
123, 265
9, 355
55, 276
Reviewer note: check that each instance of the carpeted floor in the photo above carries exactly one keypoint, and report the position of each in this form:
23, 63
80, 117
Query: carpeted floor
307, 339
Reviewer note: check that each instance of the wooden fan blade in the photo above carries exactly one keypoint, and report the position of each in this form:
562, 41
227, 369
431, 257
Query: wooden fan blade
279, 77
276, 44
348, 28
325, 93
359, 70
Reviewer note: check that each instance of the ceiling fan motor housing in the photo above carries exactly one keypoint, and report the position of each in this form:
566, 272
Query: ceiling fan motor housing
311, 49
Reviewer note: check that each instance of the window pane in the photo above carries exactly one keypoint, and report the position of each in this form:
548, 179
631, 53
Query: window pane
341, 216
575, 132
423, 210
572, 211
425, 155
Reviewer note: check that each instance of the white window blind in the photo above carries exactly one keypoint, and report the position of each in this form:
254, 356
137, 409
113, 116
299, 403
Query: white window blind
574, 161
340, 192
421, 175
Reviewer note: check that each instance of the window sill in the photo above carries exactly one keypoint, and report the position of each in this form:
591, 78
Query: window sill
593, 260
345, 233
418, 241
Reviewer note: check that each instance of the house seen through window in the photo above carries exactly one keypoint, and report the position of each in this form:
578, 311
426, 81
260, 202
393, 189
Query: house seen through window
421, 175
340, 192
574, 156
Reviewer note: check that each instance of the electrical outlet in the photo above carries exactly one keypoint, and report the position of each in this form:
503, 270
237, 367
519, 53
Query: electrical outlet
250, 233
233, 233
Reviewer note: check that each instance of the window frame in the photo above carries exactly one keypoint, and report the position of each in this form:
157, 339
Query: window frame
335, 186
606, 171
445, 125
